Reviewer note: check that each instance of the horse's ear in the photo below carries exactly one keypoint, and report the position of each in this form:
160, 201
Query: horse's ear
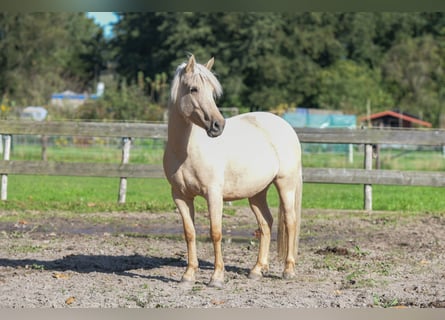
190, 67
209, 63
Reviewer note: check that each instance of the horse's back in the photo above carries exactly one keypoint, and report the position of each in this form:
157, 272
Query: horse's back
284, 139
276, 131
276, 126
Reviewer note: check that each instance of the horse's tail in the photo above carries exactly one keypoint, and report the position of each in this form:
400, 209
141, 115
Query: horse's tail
282, 237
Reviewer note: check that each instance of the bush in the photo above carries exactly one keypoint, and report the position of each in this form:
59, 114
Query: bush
122, 102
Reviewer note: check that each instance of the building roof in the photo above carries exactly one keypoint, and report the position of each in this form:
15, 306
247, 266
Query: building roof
395, 114
68, 95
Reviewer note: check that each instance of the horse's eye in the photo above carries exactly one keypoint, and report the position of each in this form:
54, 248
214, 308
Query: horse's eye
193, 90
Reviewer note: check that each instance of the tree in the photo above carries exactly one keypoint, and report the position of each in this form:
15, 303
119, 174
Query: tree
309, 59
139, 44
349, 87
41, 53
413, 71
358, 32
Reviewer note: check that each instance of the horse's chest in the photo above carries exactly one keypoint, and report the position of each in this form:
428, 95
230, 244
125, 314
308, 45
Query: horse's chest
188, 184
186, 179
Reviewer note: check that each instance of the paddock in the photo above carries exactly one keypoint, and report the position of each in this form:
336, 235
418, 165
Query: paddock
347, 259
363, 258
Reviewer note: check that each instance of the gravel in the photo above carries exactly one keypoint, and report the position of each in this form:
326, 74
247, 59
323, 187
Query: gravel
135, 260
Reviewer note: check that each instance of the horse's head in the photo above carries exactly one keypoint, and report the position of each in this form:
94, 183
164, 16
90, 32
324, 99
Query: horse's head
194, 91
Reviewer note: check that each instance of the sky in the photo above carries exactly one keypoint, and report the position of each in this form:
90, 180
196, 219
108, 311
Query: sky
105, 20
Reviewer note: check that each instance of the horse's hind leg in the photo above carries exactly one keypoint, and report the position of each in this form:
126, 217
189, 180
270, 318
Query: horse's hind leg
258, 204
289, 189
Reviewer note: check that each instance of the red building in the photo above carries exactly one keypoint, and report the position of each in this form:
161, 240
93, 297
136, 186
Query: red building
394, 119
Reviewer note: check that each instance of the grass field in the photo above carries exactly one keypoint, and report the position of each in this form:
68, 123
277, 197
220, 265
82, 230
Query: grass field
81, 194
150, 151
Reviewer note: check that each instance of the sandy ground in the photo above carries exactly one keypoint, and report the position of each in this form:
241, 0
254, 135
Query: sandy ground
346, 259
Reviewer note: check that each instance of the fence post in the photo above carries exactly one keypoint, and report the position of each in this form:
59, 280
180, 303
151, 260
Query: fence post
6, 156
350, 153
44, 142
126, 144
368, 187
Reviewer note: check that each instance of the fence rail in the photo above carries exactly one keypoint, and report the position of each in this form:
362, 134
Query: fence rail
366, 176
87, 129
315, 175
431, 137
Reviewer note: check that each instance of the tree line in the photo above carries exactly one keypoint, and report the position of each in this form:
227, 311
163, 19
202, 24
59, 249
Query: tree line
352, 61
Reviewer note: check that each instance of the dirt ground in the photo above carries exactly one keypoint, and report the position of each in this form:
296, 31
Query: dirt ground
346, 259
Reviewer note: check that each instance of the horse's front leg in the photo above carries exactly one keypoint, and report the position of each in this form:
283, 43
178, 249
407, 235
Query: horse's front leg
215, 205
187, 211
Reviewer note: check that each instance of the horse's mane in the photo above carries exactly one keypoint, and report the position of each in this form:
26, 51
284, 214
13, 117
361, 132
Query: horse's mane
201, 73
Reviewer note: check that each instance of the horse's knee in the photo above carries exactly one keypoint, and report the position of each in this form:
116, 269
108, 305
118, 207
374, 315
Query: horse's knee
216, 235
189, 236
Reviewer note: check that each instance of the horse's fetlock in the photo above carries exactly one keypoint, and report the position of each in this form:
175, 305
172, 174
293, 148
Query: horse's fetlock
254, 275
287, 275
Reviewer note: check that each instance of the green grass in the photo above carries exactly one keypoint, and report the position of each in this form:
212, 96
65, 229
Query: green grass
390, 159
85, 194
147, 151
150, 151
80, 194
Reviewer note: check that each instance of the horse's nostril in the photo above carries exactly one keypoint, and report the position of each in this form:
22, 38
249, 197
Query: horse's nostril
216, 126
219, 125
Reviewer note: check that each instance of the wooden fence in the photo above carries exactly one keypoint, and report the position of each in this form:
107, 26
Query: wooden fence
127, 131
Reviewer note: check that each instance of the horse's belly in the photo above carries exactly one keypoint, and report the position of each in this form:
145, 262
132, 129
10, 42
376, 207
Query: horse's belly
245, 181
244, 189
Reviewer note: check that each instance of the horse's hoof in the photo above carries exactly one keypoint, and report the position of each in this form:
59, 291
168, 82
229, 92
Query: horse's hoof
185, 283
216, 284
288, 275
255, 276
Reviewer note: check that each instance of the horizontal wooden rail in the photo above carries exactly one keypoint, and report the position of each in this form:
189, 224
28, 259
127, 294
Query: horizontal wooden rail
159, 130
317, 175
372, 136
81, 169
382, 177
88, 129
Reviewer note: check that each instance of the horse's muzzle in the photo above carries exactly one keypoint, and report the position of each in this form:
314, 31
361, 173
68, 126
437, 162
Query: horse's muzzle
216, 128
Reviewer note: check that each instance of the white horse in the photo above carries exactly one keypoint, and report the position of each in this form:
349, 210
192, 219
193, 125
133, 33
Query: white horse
223, 160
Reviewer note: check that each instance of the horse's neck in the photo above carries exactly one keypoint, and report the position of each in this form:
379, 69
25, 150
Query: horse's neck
179, 131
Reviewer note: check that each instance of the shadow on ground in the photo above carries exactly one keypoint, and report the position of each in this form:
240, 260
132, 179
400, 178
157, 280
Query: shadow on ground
121, 265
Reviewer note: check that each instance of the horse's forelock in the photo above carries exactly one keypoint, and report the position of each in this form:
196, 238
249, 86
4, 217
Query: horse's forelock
208, 75
200, 71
